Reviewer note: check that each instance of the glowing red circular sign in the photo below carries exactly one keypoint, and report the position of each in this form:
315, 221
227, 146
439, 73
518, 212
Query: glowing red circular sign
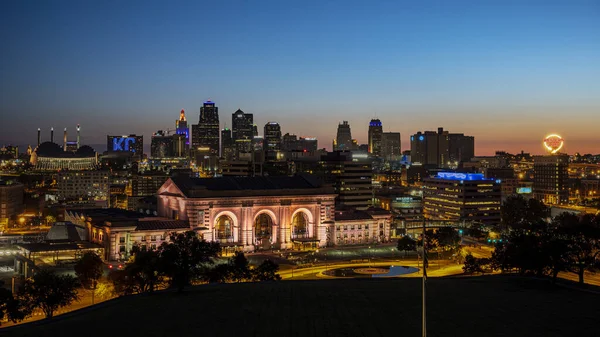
553, 143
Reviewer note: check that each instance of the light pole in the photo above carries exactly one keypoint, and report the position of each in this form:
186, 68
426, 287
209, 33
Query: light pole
424, 282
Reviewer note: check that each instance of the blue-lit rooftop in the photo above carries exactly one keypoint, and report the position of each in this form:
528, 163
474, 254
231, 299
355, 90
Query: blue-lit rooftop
460, 176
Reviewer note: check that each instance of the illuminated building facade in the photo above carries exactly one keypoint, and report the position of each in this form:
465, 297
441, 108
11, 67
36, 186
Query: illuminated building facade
11, 200
205, 134
375, 137
227, 145
550, 179
118, 231
461, 196
83, 185
242, 131
161, 145
272, 140
251, 213
131, 143
181, 127
51, 157
352, 180
356, 227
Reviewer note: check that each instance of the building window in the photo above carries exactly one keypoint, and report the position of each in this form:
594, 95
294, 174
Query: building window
153, 238
300, 225
359, 226
121, 249
224, 228
153, 246
122, 239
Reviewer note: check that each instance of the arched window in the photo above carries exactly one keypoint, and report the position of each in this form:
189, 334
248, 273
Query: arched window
224, 228
300, 225
263, 226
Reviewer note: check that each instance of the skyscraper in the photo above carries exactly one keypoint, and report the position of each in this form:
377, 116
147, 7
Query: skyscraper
161, 145
227, 146
343, 139
272, 140
375, 135
242, 131
181, 127
205, 135
441, 149
390, 146
550, 175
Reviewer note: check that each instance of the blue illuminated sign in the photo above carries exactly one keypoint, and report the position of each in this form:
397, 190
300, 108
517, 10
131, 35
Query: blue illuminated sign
412, 138
460, 176
421, 138
524, 190
123, 144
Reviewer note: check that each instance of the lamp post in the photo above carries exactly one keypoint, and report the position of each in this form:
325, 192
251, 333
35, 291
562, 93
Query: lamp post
424, 282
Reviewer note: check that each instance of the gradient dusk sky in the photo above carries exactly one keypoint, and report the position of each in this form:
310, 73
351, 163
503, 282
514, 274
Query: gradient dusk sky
507, 72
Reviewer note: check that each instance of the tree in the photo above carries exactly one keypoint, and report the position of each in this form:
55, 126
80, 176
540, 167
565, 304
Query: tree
11, 307
145, 272
185, 254
89, 269
49, 291
220, 273
472, 265
405, 244
239, 266
266, 271
582, 235
520, 213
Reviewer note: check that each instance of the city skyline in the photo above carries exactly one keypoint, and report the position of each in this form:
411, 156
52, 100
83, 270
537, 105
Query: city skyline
507, 75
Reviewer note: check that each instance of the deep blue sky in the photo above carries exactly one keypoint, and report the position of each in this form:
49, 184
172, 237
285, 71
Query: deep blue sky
503, 71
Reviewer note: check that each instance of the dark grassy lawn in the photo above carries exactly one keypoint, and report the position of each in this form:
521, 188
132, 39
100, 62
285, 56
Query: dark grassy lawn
485, 306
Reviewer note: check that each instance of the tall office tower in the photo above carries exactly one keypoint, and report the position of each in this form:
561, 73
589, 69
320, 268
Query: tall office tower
205, 135
272, 140
242, 131
181, 127
375, 135
161, 145
390, 146
289, 142
39, 137
441, 149
459, 196
65, 140
254, 130
461, 148
352, 180
343, 139
550, 177
227, 145
78, 136
180, 148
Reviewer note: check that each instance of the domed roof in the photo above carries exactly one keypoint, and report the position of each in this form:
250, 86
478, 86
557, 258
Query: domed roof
49, 149
85, 151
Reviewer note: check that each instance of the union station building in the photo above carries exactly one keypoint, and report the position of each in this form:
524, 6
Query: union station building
253, 213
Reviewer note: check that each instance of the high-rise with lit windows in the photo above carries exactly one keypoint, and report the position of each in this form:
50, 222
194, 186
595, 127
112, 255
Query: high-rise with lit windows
462, 196
375, 137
